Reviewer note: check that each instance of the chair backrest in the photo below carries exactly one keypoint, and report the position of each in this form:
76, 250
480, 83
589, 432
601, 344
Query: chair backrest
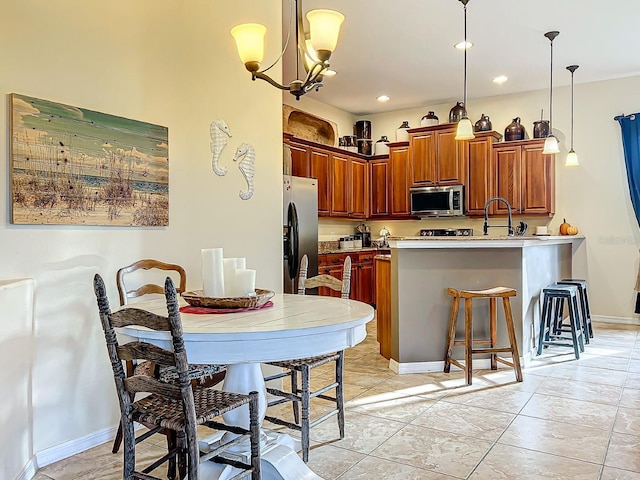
324, 280
127, 387
147, 288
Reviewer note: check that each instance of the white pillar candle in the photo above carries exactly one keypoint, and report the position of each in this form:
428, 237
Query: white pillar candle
212, 272
245, 281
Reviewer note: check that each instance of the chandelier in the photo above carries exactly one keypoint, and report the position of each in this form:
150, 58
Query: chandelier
315, 47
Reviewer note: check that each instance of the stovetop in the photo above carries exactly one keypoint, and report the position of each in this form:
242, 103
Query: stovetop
446, 232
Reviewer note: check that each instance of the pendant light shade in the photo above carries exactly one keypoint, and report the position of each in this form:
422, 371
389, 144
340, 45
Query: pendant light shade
572, 156
551, 142
572, 160
465, 129
550, 145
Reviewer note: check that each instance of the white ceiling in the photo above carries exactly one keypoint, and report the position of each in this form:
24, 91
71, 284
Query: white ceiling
404, 48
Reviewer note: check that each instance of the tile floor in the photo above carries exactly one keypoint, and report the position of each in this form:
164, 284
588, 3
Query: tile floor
568, 420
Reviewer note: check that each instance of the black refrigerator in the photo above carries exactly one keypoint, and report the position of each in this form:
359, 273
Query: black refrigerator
300, 228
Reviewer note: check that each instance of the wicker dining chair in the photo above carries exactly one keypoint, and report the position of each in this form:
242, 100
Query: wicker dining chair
204, 375
303, 395
178, 407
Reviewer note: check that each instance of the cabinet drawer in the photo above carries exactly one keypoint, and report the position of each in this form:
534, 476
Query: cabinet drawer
366, 257
322, 260
336, 259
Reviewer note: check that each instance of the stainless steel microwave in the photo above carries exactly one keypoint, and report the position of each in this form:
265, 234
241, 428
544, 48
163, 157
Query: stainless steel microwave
442, 201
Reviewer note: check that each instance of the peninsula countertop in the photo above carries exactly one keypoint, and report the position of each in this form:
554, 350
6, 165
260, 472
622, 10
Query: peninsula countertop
482, 241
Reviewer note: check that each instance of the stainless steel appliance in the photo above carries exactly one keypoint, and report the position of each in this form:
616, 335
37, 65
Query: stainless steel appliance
446, 232
300, 228
443, 201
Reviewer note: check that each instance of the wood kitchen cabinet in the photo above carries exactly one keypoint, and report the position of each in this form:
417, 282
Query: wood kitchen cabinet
300, 164
436, 158
349, 191
524, 177
399, 179
321, 170
379, 184
362, 281
383, 304
479, 186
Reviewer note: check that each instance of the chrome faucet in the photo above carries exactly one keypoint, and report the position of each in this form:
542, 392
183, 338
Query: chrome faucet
485, 228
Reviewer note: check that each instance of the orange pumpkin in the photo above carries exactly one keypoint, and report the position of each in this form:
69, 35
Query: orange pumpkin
571, 230
564, 226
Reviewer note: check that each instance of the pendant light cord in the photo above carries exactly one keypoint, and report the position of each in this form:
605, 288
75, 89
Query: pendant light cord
551, 94
572, 110
465, 60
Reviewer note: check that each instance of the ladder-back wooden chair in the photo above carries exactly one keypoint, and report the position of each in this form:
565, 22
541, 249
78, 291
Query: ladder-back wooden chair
205, 375
302, 396
178, 407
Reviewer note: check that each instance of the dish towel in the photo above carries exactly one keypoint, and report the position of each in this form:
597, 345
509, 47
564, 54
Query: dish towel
637, 289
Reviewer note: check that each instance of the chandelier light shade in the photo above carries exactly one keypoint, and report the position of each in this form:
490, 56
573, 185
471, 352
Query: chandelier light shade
572, 156
465, 129
250, 42
551, 142
315, 46
324, 28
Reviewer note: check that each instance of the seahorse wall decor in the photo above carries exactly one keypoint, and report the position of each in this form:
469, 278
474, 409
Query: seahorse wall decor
247, 156
219, 132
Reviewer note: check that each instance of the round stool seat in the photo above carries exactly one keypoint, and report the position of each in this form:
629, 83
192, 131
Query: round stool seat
495, 292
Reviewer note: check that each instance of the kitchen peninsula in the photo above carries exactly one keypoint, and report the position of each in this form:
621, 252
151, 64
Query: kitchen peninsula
422, 269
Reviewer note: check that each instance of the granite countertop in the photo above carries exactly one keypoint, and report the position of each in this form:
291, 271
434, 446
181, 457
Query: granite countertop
482, 241
325, 250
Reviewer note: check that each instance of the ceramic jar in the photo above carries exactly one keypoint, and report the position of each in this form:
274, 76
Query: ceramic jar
382, 146
514, 131
429, 119
362, 129
483, 125
541, 129
457, 112
402, 133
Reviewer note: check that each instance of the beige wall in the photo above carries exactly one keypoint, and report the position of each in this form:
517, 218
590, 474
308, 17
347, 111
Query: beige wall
159, 61
593, 197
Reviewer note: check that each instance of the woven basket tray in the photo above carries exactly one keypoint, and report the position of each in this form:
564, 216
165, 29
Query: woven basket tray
197, 298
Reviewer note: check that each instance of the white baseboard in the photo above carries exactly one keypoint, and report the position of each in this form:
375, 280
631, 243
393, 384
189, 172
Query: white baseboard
619, 320
73, 447
29, 470
437, 366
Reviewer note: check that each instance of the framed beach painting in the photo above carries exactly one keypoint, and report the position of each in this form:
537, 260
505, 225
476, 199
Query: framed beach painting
73, 166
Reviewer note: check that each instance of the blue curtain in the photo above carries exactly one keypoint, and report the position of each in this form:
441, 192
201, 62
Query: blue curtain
630, 125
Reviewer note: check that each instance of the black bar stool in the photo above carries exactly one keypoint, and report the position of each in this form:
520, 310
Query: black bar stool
584, 304
469, 343
553, 297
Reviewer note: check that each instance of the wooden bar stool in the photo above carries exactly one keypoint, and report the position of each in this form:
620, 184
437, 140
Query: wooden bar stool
583, 298
492, 294
553, 297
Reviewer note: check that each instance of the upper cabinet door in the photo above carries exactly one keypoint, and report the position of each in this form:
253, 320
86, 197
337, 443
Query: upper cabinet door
399, 171
423, 158
321, 170
340, 202
359, 188
450, 155
300, 160
506, 160
379, 187
537, 180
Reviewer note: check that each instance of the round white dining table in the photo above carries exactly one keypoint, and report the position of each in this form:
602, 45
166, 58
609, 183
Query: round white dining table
296, 326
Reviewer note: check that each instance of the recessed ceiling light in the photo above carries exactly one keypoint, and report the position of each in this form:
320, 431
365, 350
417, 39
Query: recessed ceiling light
383, 98
500, 79
463, 45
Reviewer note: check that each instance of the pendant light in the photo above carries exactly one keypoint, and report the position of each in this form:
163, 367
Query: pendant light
465, 129
551, 142
324, 29
572, 156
